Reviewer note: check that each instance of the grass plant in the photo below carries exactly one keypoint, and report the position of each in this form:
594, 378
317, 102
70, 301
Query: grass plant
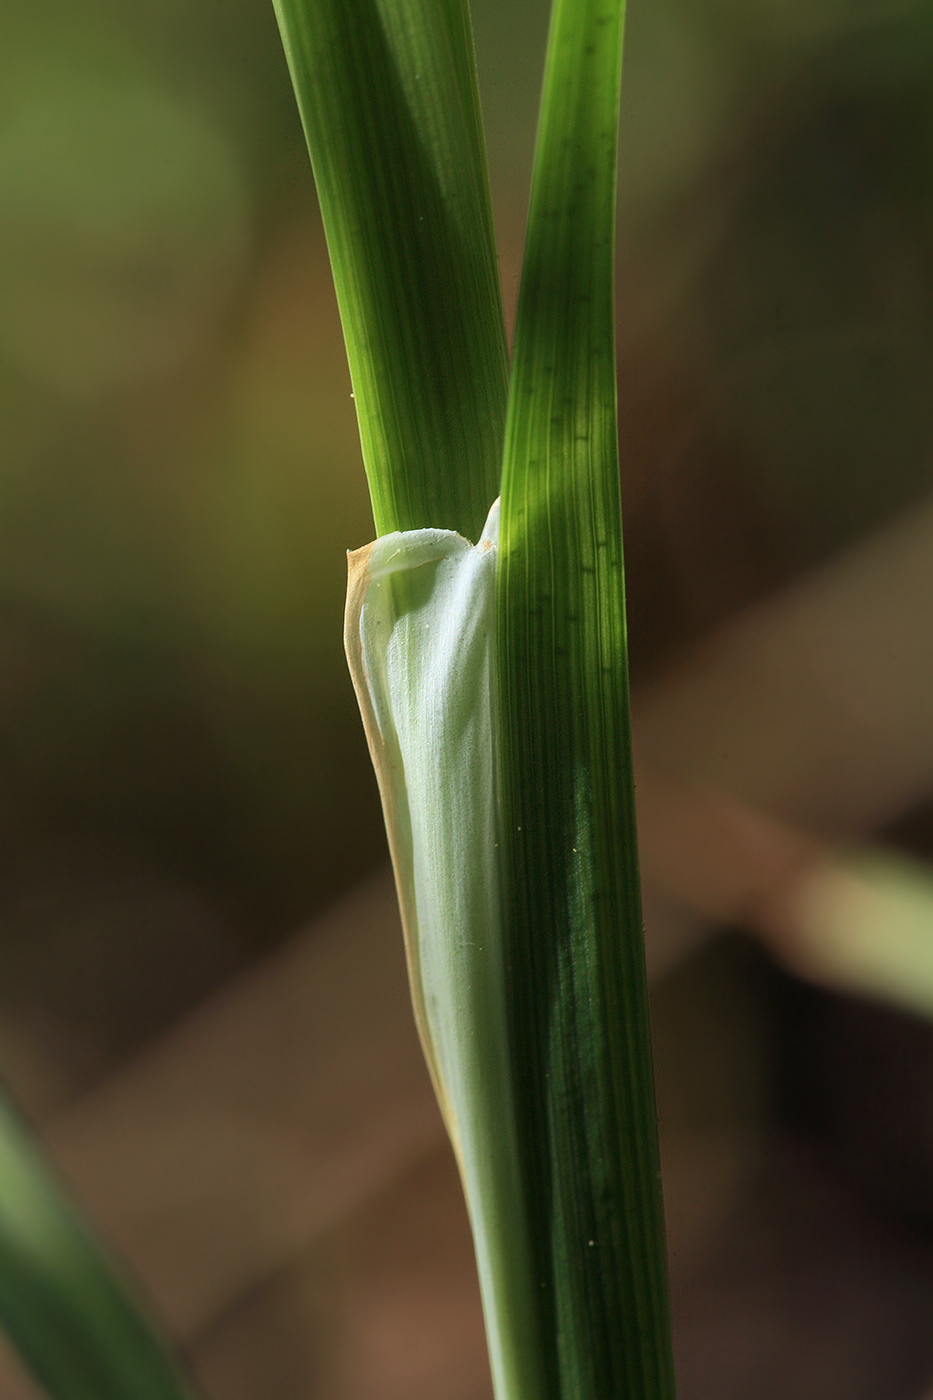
526, 958
493, 681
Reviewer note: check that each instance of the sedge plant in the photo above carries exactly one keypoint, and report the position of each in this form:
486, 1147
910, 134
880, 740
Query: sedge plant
492, 678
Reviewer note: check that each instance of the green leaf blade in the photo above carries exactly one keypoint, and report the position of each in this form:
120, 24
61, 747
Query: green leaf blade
578, 996
388, 99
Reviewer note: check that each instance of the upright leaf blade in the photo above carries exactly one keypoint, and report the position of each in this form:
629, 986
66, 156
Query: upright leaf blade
578, 997
388, 98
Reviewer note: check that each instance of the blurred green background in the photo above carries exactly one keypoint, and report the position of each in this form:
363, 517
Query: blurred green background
183, 771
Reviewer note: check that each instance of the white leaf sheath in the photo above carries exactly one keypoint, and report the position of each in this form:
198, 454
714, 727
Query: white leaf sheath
420, 640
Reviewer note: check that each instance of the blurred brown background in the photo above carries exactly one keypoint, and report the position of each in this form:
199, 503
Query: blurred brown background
202, 1000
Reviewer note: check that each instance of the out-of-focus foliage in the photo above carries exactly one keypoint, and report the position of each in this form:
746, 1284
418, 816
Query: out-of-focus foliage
179, 472
178, 467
